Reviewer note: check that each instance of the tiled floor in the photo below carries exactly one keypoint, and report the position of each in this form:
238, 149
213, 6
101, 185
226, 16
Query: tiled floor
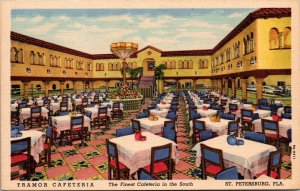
89, 161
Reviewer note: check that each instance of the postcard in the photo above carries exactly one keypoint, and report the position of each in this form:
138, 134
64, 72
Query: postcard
149, 95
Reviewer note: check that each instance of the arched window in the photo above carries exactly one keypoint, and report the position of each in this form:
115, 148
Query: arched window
238, 49
222, 58
190, 64
88, 65
118, 67
205, 63
38, 87
169, 64
200, 64
287, 37
20, 56
13, 55
274, 38
101, 67
32, 57
245, 46
251, 42
110, 66
67, 86
180, 64
174, 64
53, 86
185, 64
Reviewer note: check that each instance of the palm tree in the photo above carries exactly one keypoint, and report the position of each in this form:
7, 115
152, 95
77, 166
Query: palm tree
159, 73
134, 73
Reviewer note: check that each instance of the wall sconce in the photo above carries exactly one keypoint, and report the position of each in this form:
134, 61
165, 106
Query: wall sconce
28, 70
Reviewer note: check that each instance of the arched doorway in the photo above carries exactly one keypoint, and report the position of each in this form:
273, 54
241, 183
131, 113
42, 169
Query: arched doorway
148, 67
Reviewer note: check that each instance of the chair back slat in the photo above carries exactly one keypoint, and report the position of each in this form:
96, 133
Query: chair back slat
135, 125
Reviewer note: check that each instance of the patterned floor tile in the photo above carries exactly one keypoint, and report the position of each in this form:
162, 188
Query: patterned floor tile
55, 163
182, 166
68, 176
74, 158
65, 148
180, 176
86, 173
57, 171
79, 165
93, 154
195, 173
68, 153
102, 168
183, 154
182, 146
286, 158
285, 174
55, 156
87, 149
98, 160
97, 142
286, 165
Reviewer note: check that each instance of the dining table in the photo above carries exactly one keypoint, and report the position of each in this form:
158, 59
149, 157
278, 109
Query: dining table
26, 112
37, 142
207, 112
137, 154
250, 158
159, 112
284, 126
220, 127
153, 126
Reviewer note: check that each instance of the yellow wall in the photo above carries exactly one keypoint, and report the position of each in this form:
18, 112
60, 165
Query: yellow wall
272, 59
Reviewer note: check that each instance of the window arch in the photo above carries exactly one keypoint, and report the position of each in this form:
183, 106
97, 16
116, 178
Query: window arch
180, 64
274, 38
32, 57
53, 86
222, 58
118, 67
287, 37
20, 56
190, 64
251, 42
169, 64
110, 66
101, 67
174, 64
245, 46
13, 55
200, 64
185, 64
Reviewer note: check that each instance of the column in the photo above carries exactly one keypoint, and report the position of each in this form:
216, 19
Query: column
161, 86
244, 88
259, 87
194, 84
233, 87
74, 87
46, 88
220, 87
83, 86
226, 86
177, 89
62, 83
107, 84
26, 88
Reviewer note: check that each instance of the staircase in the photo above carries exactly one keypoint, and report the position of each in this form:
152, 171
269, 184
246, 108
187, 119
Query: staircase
147, 85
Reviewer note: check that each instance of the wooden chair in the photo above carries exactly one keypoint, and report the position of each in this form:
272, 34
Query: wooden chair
228, 174
211, 160
21, 154
197, 127
233, 128
169, 131
47, 145
77, 128
116, 169
36, 117
233, 108
102, 119
271, 126
136, 126
161, 162
144, 175
246, 119
116, 111
274, 165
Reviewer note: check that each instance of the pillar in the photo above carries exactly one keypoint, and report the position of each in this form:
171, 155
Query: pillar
259, 87
177, 89
226, 87
194, 84
74, 87
107, 84
26, 88
62, 83
233, 87
46, 88
244, 88
83, 86
220, 87
161, 86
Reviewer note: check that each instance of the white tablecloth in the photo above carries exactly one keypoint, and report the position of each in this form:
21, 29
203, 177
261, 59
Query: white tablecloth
56, 106
37, 142
207, 113
284, 126
63, 123
152, 126
164, 106
14, 106
219, 127
280, 111
160, 113
248, 155
111, 104
137, 154
25, 113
